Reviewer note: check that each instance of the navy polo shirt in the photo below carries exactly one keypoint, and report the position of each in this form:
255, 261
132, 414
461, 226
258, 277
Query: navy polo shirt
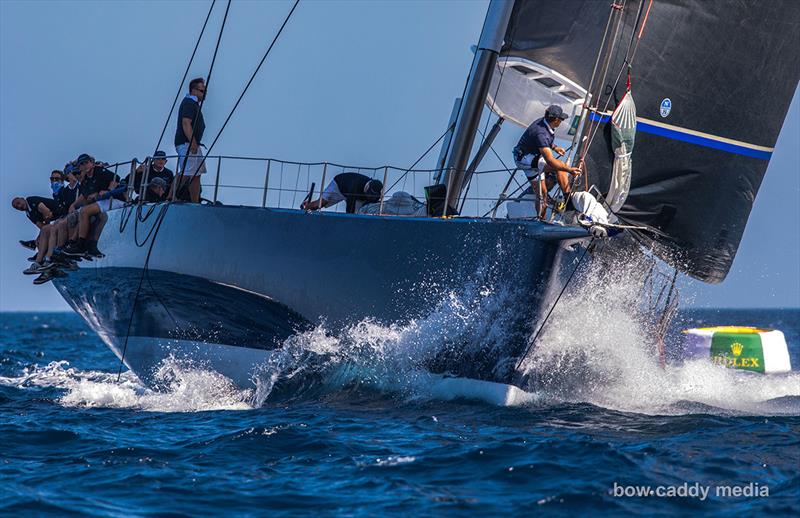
538, 135
190, 109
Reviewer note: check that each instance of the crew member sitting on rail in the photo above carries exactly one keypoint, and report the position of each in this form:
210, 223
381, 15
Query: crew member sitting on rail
40, 212
98, 195
534, 155
59, 230
354, 188
38, 209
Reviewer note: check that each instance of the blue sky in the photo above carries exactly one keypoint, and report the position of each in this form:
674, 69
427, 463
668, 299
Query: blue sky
349, 82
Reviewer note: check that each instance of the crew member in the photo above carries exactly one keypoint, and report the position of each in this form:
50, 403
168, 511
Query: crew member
188, 138
354, 188
158, 169
98, 195
534, 155
156, 191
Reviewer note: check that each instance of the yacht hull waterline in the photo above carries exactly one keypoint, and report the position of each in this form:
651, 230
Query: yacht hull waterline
226, 286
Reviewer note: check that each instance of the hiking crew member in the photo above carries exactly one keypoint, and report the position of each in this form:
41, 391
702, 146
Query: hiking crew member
97, 195
354, 188
38, 209
534, 155
68, 194
188, 138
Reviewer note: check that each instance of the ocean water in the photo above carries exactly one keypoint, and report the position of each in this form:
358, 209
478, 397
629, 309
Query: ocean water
367, 435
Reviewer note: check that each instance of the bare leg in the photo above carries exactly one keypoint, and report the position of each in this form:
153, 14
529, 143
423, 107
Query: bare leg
84, 225
194, 189
41, 243
563, 182
52, 242
541, 186
97, 228
62, 232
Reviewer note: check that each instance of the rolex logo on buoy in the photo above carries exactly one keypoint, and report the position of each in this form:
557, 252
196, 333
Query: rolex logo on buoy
737, 347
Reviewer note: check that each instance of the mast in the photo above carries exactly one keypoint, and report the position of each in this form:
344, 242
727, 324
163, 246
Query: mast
480, 76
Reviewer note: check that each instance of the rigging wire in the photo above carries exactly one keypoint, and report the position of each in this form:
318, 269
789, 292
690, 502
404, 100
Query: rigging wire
125, 214
185, 185
247, 86
531, 345
421, 156
185, 74
154, 230
162, 213
627, 63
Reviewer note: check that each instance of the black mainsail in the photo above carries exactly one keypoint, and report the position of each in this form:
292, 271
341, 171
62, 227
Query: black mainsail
713, 81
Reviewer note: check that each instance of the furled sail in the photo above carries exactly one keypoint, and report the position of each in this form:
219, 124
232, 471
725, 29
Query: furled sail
713, 83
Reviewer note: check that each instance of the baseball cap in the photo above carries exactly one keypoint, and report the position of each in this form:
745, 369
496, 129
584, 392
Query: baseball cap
159, 154
84, 157
555, 111
158, 182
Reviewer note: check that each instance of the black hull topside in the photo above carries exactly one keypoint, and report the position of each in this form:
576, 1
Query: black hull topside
226, 286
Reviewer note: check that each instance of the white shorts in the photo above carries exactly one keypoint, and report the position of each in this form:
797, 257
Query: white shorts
194, 161
331, 194
532, 172
107, 204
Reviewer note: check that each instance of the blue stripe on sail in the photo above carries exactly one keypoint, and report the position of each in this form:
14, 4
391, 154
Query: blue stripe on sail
692, 139
596, 117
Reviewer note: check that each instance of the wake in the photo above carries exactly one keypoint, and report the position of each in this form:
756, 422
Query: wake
597, 348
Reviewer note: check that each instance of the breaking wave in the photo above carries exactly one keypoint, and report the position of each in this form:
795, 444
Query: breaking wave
186, 389
597, 348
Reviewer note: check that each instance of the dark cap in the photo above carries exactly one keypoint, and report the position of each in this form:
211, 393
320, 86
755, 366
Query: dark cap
70, 168
555, 112
84, 157
373, 188
159, 154
158, 182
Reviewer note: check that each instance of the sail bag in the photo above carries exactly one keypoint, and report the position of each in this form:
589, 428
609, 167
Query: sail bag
623, 133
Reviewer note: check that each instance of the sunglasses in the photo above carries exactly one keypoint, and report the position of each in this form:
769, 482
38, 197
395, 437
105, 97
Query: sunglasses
55, 179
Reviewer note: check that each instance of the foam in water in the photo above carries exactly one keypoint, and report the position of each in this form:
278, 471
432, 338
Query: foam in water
186, 389
597, 348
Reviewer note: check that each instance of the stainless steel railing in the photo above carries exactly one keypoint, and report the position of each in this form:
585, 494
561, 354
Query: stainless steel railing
274, 183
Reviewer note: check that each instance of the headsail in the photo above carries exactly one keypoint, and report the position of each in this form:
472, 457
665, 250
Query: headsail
713, 82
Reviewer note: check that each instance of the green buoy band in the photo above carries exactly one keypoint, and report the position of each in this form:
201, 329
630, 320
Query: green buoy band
746, 348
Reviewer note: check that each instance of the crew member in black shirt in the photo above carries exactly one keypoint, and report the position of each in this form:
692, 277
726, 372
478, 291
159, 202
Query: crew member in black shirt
158, 169
354, 188
97, 197
38, 209
189, 137
68, 194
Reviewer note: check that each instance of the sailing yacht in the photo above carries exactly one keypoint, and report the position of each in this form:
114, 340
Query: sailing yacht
703, 144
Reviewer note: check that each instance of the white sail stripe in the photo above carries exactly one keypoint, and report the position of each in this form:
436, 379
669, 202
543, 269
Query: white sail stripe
700, 134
